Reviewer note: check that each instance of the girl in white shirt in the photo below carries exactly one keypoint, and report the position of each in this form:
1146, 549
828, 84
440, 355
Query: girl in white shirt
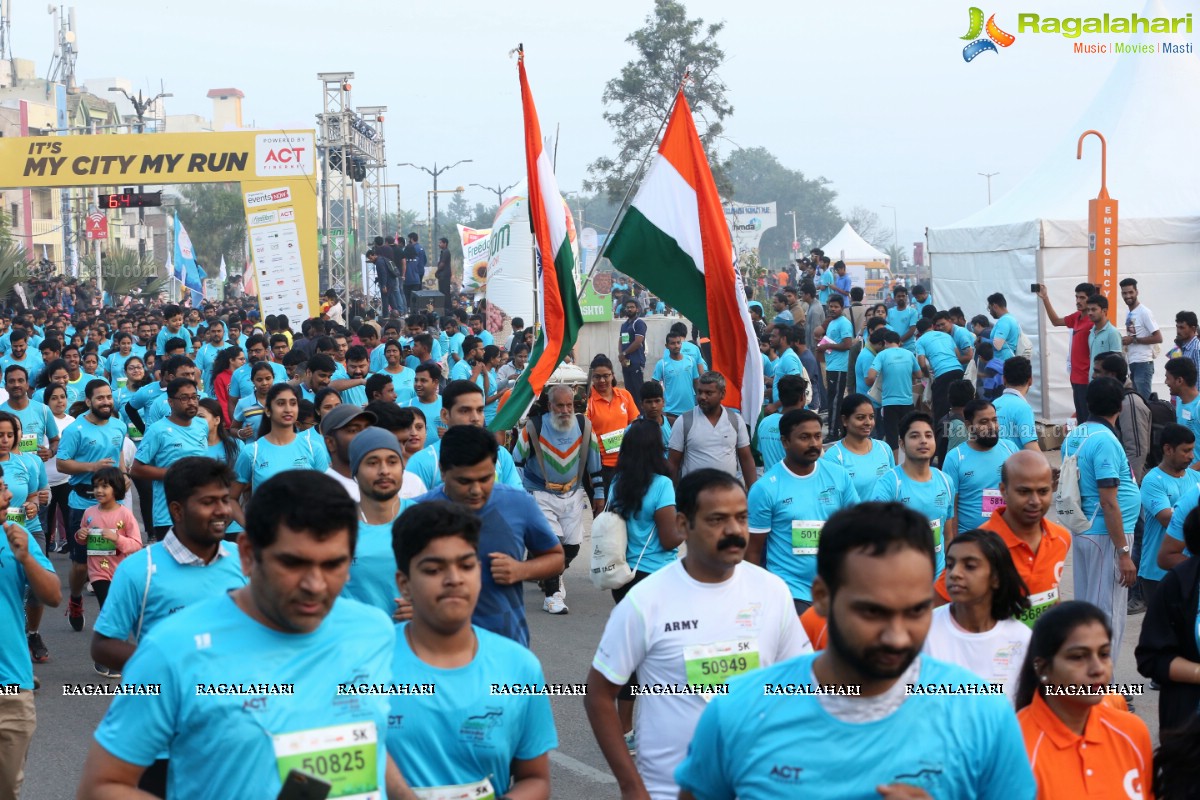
977, 630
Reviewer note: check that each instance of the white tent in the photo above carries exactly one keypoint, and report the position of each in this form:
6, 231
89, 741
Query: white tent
852, 248
1149, 111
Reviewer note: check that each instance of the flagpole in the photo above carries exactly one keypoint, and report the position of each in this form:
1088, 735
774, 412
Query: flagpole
687, 74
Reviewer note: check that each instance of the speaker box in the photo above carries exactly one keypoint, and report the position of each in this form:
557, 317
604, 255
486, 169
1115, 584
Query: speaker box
429, 299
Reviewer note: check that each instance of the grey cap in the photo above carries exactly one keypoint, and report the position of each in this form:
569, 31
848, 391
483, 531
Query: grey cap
340, 416
369, 440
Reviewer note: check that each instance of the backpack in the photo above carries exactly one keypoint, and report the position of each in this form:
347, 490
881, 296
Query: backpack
1068, 499
733, 416
1162, 414
1024, 346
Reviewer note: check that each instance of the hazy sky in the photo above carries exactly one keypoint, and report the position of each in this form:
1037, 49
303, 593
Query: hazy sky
873, 96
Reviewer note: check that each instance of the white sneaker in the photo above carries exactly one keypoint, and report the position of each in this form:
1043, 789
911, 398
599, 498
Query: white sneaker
561, 594
554, 605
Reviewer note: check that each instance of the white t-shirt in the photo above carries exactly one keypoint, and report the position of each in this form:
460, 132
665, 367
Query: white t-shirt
413, 487
1142, 322
350, 484
995, 656
669, 619
55, 477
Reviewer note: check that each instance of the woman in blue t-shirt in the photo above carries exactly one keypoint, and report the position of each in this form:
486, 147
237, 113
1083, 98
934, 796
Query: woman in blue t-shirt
857, 452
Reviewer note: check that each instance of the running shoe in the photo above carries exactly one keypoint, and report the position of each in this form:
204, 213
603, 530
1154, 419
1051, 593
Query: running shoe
554, 605
75, 613
37, 649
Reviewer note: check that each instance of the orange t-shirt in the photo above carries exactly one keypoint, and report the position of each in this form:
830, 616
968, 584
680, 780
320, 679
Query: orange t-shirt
1112, 759
1041, 571
609, 419
816, 627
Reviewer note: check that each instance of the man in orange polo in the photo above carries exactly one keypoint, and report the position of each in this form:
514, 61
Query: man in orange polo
1037, 545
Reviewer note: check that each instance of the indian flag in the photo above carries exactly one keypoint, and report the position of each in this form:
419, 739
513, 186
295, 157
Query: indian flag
675, 241
558, 306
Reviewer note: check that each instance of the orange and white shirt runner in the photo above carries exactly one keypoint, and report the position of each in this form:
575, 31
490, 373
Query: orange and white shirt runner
1112, 759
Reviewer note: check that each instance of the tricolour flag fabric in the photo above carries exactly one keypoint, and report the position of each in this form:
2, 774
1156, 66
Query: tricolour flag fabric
675, 241
558, 305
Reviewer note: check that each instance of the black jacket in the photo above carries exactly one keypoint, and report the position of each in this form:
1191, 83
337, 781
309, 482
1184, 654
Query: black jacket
1169, 631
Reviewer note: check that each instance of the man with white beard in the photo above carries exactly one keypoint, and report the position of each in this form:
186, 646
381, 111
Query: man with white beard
558, 450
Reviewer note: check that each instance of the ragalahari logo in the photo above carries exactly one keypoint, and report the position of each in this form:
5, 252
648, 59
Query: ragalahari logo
994, 37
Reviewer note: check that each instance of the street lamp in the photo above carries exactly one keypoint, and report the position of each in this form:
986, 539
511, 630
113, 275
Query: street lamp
141, 105
435, 172
497, 190
988, 175
895, 234
795, 240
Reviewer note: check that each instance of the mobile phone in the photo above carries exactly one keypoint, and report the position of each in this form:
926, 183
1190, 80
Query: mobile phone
1035, 287
302, 786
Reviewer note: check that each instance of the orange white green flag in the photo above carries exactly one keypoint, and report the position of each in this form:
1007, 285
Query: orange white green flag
675, 241
558, 305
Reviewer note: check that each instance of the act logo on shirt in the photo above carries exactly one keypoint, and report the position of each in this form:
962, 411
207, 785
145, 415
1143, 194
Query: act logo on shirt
478, 728
784, 773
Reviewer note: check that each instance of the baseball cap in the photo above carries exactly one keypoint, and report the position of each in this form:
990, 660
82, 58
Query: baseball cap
340, 416
369, 440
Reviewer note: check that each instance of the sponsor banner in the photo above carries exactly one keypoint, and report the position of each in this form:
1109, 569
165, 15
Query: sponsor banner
748, 223
268, 197
475, 243
282, 284
283, 154
262, 218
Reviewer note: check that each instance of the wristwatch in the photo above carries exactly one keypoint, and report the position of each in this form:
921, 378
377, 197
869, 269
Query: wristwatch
1124, 551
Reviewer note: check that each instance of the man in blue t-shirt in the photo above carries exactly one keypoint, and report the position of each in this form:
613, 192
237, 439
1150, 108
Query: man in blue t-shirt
836, 344
282, 655
678, 375
874, 571
974, 467
180, 434
791, 502
1162, 489
1181, 383
791, 396
902, 318
1013, 411
938, 354
632, 350
1006, 333
1110, 500
895, 369
512, 526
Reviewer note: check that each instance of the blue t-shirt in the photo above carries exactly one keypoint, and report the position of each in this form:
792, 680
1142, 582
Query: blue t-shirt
746, 743
25, 475
938, 349
895, 366
36, 421
643, 550
1006, 328
373, 569
165, 335
827, 281
378, 360
163, 444
15, 666
665, 427
461, 371
1160, 491
963, 338
435, 426
1188, 415
114, 365
1015, 416
900, 321
839, 330
791, 510
678, 380
770, 446
788, 363
462, 733
77, 389
425, 466
173, 586
512, 524
456, 343
975, 476
146, 395
262, 460
86, 441
205, 357
249, 411
241, 385
1183, 507
863, 470
32, 362
1103, 458
219, 741
934, 498
862, 365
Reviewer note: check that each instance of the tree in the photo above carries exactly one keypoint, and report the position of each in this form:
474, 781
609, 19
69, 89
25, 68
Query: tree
126, 273
866, 223
639, 99
15, 267
216, 222
757, 177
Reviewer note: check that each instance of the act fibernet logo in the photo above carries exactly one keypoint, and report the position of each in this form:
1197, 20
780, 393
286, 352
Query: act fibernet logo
988, 37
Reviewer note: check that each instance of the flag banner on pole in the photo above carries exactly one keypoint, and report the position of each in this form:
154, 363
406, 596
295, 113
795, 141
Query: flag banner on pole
187, 271
674, 240
558, 306
222, 275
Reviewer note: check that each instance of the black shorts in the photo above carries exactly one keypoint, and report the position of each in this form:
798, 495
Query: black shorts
891, 423
76, 550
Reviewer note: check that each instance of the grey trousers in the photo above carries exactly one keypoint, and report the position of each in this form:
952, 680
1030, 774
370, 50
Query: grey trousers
1097, 582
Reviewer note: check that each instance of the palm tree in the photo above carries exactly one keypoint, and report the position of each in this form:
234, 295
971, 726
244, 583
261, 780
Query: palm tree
15, 266
126, 273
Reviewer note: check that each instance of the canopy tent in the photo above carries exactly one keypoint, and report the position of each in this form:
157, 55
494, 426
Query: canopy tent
848, 246
1149, 111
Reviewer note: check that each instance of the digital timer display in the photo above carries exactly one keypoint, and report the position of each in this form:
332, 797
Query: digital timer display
131, 200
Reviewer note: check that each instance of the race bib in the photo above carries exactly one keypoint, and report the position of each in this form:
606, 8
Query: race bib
936, 526
29, 443
1038, 605
135, 433
482, 790
343, 755
714, 664
1187, 415
992, 501
806, 534
15, 515
625, 338
97, 545
611, 441
122, 382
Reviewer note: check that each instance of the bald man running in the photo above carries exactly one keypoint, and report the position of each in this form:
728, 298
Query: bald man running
1038, 546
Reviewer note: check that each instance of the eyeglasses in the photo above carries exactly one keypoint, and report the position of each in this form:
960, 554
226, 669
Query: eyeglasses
602, 376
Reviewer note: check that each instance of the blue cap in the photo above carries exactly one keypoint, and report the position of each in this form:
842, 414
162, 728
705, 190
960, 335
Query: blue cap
369, 440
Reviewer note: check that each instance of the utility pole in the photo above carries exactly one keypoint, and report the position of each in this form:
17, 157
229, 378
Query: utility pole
988, 175
496, 190
141, 105
795, 240
435, 172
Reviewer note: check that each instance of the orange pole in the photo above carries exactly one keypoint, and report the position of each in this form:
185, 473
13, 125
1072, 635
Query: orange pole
1102, 231
1103, 159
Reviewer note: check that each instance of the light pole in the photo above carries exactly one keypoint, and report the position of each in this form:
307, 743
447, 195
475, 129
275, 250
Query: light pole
141, 105
795, 240
496, 190
988, 175
435, 172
